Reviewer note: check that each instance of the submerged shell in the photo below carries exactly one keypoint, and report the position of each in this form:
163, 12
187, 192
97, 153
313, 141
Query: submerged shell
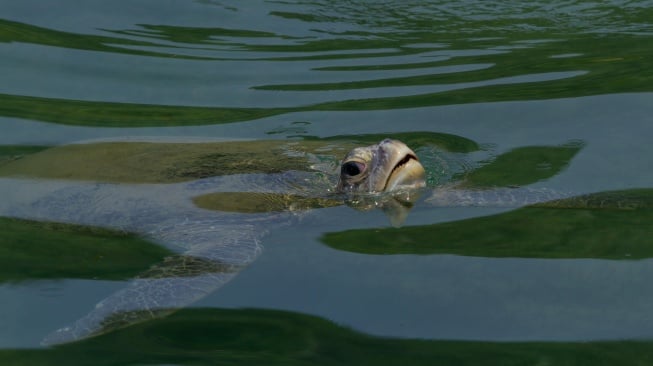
168, 162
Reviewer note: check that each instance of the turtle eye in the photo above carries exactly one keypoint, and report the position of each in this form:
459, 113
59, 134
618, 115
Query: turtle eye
352, 168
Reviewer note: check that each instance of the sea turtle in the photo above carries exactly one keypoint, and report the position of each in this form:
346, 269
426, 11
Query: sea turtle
212, 244
212, 203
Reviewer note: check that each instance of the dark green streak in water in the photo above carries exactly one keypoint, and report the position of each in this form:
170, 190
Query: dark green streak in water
25, 33
31, 250
611, 225
627, 58
266, 337
193, 35
522, 166
10, 153
103, 114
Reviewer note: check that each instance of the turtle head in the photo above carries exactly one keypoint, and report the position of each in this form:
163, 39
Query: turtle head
387, 166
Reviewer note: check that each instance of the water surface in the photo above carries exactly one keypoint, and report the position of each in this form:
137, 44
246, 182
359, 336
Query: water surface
546, 95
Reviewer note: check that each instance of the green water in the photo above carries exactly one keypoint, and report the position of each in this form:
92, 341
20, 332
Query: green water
545, 95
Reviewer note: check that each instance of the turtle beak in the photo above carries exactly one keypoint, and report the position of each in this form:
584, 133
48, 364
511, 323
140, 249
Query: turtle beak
405, 169
407, 173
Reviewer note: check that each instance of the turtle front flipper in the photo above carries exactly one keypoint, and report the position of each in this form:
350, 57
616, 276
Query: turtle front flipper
176, 282
142, 300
